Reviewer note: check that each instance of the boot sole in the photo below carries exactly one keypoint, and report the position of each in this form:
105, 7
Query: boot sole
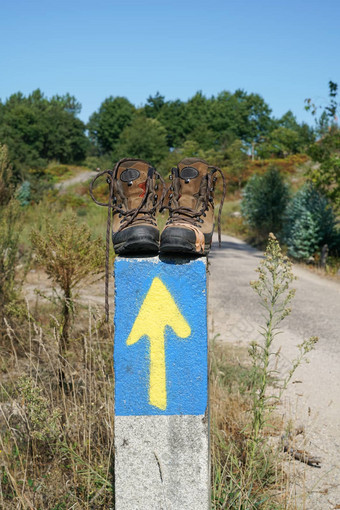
182, 240
136, 240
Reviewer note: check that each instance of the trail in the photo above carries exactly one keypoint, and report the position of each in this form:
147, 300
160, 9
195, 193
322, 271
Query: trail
82, 177
313, 399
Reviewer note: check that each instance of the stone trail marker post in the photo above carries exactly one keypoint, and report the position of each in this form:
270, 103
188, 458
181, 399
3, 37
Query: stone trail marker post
161, 384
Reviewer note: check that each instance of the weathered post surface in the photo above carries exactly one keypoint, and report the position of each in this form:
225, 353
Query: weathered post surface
161, 385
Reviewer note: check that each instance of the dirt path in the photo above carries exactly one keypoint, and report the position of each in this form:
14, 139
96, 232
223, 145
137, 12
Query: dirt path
313, 400
82, 177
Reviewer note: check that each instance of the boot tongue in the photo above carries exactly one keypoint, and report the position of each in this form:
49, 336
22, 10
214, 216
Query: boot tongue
131, 179
190, 172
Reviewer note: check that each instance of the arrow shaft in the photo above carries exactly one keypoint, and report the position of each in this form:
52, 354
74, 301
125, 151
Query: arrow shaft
157, 382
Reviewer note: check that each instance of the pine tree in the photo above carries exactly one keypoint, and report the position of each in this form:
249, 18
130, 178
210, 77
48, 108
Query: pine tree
264, 201
309, 223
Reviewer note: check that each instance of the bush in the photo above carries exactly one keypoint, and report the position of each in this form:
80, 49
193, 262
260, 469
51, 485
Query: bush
9, 240
6, 185
23, 194
309, 223
10, 228
70, 257
326, 174
265, 198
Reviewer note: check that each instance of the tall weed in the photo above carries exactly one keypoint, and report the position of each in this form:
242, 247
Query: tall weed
246, 466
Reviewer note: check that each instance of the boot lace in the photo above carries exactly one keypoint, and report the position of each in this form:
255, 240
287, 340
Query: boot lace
187, 215
130, 215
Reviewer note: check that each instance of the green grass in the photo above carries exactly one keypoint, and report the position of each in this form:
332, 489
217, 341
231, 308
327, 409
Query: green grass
232, 224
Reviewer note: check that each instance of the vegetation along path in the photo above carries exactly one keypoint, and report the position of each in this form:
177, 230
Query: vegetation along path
313, 397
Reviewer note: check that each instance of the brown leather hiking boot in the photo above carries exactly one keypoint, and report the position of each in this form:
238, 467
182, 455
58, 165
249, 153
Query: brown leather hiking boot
135, 193
190, 226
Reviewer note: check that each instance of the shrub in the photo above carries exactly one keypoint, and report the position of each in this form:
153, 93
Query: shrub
326, 173
70, 257
6, 186
9, 237
9, 240
246, 467
309, 223
23, 194
265, 198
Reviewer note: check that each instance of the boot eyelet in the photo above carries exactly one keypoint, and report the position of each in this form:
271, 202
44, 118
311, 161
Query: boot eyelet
171, 195
187, 181
120, 206
156, 187
204, 214
114, 200
130, 183
120, 215
214, 179
170, 177
211, 199
211, 189
171, 188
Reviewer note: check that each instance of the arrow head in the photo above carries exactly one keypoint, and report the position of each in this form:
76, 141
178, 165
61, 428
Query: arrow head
158, 311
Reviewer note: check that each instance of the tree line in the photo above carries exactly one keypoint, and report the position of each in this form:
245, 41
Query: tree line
37, 129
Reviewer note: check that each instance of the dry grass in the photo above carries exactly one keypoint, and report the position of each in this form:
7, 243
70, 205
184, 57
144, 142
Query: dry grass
57, 442
236, 484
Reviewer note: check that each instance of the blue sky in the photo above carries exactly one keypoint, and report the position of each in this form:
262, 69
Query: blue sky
285, 50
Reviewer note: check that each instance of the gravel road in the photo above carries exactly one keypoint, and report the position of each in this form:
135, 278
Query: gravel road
313, 399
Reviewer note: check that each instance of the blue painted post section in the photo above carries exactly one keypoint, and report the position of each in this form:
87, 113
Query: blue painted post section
161, 384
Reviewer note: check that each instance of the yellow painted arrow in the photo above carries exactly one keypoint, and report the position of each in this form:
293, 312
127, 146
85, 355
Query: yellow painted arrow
158, 311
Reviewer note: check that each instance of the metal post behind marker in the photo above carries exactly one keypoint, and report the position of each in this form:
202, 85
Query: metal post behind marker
161, 385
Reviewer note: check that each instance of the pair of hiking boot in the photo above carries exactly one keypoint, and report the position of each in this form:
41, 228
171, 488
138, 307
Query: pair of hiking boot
138, 192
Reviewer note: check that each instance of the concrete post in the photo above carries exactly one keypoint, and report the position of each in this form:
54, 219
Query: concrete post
161, 385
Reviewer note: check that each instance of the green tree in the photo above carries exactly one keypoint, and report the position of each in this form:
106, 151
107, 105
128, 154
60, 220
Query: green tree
257, 122
106, 125
213, 122
144, 138
197, 121
237, 162
240, 116
325, 173
172, 116
303, 237
280, 143
37, 129
329, 114
265, 198
286, 136
309, 223
154, 105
